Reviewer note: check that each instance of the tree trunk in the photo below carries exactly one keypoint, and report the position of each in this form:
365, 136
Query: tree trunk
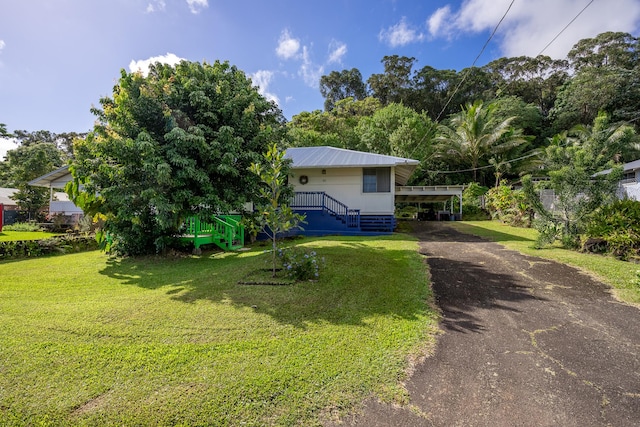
273, 248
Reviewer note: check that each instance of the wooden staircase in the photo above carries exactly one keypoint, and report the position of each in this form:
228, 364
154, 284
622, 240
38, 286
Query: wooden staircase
225, 231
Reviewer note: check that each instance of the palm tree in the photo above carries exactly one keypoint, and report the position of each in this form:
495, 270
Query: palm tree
605, 142
474, 134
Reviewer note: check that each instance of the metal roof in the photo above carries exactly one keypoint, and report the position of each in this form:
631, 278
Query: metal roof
332, 157
47, 179
628, 167
428, 193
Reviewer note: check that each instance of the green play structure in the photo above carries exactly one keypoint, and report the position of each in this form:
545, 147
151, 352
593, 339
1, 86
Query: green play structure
225, 231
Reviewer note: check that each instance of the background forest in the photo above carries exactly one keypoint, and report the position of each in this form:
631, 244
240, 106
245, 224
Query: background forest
480, 124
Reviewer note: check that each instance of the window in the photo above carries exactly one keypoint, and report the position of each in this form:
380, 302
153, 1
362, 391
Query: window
376, 180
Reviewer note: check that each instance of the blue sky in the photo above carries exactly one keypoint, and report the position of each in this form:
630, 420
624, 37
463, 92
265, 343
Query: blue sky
58, 57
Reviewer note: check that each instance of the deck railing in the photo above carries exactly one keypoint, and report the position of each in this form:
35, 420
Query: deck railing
319, 200
223, 230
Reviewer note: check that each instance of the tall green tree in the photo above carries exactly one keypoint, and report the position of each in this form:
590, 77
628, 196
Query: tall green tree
397, 130
609, 49
474, 134
175, 143
607, 78
395, 84
338, 85
535, 80
335, 128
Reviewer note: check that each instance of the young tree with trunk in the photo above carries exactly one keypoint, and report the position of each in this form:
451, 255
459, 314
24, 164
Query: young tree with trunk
275, 216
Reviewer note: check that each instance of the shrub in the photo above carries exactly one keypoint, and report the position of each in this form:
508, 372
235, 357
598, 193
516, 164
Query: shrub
300, 264
618, 224
54, 245
509, 206
23, 226
472, 212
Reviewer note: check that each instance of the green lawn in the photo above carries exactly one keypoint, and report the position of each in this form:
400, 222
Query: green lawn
88, 340
620, 275
25, 235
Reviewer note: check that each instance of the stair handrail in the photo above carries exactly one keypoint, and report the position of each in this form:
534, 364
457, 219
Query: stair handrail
321, 200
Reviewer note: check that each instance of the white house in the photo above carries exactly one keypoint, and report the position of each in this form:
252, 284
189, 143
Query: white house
340, 191
629, 186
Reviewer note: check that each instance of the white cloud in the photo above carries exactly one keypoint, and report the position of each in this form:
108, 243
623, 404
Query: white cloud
287, 46
262, 79
143, 64
336, 51
309, 71
289, 99
2, 45
530, 26
196, 6
400, 34
438, 21
156, 6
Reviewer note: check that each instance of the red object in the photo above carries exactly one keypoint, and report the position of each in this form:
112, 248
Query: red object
1, 216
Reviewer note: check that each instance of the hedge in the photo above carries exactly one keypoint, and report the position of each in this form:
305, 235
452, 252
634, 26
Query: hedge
54, 245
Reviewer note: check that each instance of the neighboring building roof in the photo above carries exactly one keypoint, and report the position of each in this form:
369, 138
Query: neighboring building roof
48, 179
331, 157
5, 194
631, 166
627, 167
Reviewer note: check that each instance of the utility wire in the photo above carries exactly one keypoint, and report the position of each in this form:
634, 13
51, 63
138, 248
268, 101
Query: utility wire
475, 60
565, 27
626, 122
464, 77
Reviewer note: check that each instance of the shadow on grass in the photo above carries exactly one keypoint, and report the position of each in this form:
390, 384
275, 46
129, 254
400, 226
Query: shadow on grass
359, 281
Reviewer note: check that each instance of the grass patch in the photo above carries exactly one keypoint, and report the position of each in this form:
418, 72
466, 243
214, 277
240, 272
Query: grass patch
9, 236
622, 276
88, 340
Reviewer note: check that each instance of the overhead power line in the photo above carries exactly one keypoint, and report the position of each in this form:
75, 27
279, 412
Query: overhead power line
535, 153
464, 77
565, 27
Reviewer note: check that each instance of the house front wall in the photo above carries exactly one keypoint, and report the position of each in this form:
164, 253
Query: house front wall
345, 185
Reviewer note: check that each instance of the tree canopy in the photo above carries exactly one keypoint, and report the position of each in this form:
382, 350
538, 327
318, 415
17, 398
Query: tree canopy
175, 143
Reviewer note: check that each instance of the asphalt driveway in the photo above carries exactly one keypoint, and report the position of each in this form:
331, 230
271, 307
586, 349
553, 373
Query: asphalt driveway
525, 342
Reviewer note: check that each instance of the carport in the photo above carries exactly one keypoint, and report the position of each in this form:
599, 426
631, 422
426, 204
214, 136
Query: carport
433, 194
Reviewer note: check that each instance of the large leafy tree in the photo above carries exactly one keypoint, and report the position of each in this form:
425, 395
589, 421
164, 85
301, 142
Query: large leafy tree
396, 130
607, 78
335, 128
475, 134
535, 80
169, 145
395, 84
609, 49
343, 84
